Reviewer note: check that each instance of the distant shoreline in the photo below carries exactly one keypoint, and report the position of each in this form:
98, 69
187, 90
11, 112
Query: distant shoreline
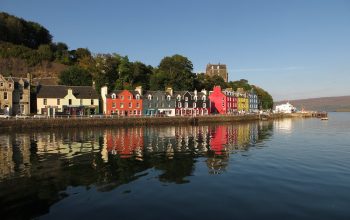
13, 125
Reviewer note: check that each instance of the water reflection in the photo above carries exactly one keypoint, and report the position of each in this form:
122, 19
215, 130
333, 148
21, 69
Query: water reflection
36, 168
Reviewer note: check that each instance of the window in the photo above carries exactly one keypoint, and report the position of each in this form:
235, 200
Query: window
113, 105
135, 112
58, 102
129, 97
203, 98
137, 105
92, 102
10, 85
113, 96
178, 98
149, 97
162, 104
1, 84
186, 98
70, 101
122, 97
195, 98
149, 105
168, 97
194, 105
223, 104
204, 105
121, 105
179, 104
186, 105
130, 105
21, 96
137, 97
45, 101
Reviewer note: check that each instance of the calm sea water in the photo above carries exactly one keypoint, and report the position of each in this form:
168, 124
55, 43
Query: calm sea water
285, 169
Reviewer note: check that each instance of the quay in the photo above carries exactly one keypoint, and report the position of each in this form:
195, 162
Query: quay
14, 124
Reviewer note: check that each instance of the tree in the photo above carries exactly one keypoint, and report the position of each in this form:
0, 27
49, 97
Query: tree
265, 99
243, 83
207, 82
174, 71
45, 52
75, 76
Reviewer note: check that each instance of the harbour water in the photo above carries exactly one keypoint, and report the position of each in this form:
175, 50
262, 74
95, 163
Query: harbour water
282, 169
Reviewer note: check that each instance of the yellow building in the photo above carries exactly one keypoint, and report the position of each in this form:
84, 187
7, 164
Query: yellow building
243, 100
70, 100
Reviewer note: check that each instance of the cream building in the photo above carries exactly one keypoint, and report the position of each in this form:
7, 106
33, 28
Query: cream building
68, 100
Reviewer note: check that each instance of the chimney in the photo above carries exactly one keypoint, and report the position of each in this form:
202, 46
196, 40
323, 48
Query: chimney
169, 90
139, 89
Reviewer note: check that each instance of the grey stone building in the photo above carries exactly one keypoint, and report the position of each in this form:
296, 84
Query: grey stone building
15, 95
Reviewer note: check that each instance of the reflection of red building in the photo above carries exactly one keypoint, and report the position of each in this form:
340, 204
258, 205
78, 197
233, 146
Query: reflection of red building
125, 142
223, 102
125, 103
219, 138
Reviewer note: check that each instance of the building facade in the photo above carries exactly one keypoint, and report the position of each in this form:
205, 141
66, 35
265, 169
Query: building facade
124, 103
192, 103
243, 101
253, 102
217, 69
285, 108
159, 103
69, 100
223, 101
15, 95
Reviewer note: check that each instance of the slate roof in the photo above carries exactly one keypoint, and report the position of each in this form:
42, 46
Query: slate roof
134, 93
60, 91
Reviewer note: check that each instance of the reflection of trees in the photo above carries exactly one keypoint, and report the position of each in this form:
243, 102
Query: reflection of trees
36, 168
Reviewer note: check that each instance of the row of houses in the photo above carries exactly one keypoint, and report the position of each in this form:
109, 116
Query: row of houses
54, 100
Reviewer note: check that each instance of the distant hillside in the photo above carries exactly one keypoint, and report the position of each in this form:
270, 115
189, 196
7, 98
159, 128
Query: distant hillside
330, 104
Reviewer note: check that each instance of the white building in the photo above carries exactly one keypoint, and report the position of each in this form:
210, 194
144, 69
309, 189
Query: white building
285, 108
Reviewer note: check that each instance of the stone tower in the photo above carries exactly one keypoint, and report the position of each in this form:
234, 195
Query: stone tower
217, 69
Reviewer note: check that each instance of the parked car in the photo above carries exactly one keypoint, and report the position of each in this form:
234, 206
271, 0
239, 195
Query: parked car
5, 116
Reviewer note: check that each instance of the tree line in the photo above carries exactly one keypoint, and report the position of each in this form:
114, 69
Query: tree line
32, 42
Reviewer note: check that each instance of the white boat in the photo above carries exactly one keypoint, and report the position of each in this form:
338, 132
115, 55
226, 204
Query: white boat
324, 119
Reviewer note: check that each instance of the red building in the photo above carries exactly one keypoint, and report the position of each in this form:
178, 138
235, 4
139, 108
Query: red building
223, 102
124, 103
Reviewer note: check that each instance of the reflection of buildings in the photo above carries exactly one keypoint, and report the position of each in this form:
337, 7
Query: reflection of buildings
125, 142
283, 125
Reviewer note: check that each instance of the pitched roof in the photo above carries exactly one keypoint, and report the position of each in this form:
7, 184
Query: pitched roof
60, 91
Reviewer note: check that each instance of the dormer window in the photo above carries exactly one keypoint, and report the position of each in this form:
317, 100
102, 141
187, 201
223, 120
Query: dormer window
138, 97
10, 85
149, 97
168, 97
178, 98
186, 98
203, 98
113, 96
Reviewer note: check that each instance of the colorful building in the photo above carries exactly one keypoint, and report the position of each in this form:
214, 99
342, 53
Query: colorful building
70, 100
158, 103
243, 101
253, 102
223, 102
123, 103
192, 103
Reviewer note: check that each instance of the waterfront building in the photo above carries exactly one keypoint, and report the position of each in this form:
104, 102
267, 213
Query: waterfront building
253, 102
192, 103
223, 101
243, 101
68, 100
123, 102
285, 108
156, 103
217, 69
15, 95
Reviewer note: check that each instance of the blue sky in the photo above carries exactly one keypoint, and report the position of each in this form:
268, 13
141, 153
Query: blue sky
294, 49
